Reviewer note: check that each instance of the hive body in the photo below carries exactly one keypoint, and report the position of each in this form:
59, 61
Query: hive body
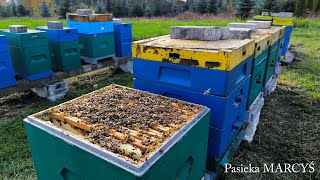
7, 77
123, 39
64, 48
30, 54
72, 157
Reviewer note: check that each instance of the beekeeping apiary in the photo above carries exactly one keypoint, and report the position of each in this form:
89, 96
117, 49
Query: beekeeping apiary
121, 129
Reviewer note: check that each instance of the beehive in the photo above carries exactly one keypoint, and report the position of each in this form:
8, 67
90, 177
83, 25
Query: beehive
64, 48
7, 77
258, 66
275, 34
30, 54
120, 133
123, 39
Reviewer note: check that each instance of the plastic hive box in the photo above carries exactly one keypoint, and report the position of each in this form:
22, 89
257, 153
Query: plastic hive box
92, 28
30, 54
219, 55
65, 56
7, 77
123, 39
227, 113
98, 45
73, 157
60, 35
213, 82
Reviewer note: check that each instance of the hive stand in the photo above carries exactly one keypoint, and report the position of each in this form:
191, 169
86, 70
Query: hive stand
23, 85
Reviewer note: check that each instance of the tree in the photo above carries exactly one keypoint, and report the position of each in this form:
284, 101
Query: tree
202, 6
136, 10
269, 5
156, 10
125, 8
63, 8
21, 10
213, 6
100, 7
244, 8
309, 5
289, 6
117, 9
300, 8
316, 5
44, 10
13, 8
109, 6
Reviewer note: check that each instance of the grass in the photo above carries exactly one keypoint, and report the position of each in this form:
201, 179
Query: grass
289, 124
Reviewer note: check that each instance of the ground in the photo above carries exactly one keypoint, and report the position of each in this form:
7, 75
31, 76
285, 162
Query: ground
289, 126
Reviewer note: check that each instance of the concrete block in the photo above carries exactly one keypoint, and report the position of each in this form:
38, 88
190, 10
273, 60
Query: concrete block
53, 90
117, 21
225, 33
55, 25
282, 14
84, 11
18, 28
254, 27
262, 24
240, 33
265, 13
203, 33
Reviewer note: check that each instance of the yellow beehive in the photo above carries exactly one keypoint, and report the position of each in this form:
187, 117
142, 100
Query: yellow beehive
262, 43
274, 33
220, 55
282, 21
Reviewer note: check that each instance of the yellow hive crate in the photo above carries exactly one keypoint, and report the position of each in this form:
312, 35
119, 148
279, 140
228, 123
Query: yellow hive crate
220, 55
265, 18
274, 33
282, 21
282, 30
262, 43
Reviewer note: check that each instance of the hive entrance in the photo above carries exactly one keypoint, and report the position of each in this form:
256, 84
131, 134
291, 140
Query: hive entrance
130, 123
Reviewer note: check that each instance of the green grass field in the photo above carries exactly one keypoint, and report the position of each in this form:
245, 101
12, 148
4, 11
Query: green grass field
289, 126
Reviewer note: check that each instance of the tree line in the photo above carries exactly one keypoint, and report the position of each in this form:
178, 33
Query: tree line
154, 8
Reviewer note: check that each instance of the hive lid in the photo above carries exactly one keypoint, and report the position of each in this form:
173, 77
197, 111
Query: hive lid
262, 43
219, 55
137, 169
30, 34
89, 18
274, 33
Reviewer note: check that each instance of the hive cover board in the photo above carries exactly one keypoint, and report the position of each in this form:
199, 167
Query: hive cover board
120, 133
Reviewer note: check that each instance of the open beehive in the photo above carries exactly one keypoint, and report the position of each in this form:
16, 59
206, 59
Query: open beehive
129, 123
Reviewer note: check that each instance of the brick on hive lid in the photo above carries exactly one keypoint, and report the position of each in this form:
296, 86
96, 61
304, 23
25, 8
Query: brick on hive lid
252, 26
265, 13
282, 14
240, 33
55, 25
262, 24
117, 21
18, 28
84, 12
202, 33
225, 33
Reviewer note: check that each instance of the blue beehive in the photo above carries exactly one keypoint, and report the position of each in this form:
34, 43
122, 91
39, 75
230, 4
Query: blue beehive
215, 82
123, 39
7, 77
227, 113
60, 35
92, 27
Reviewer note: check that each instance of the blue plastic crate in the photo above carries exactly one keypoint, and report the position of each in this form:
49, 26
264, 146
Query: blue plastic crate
123, 32
225, 110
123, 39
123, 49
286, 41
92, 27
220, 83
3, 44
227, 113
60, 35
34, 77
7, 76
